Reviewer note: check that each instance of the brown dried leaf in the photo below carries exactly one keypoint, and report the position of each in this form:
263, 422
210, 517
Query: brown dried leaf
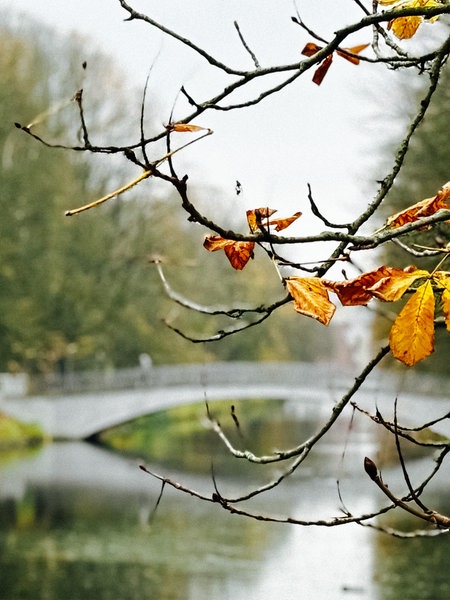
310, 49
238, 253
412, 335
322, 69
392, 287
311, 298
424, 208
354, 292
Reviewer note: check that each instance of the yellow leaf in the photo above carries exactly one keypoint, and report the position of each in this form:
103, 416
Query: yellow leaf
446, 306
406, 27
442, 279
412, 334
393, 287
311, 298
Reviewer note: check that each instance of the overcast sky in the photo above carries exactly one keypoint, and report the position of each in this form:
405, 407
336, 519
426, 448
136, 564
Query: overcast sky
326, 136
306, 135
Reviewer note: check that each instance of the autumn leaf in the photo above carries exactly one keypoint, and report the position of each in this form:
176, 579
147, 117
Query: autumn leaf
412, 335
442, 280
406, 27
215, 242
311, 49
348, 52
238, 253
392, 287
355, 292
281, 224
311, 298
185, 127
258, 218
424, 208
322, 70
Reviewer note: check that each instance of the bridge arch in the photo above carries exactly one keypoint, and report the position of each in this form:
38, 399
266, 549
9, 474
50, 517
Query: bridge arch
313, 387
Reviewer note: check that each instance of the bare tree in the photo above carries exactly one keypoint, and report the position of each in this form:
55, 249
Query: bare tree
412, 333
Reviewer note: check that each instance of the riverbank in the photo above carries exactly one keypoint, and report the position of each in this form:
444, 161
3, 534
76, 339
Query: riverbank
15, 435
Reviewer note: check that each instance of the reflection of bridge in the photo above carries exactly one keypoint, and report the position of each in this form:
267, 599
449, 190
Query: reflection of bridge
79, 405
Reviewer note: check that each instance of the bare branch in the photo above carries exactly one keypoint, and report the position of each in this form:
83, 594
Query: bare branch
244, 43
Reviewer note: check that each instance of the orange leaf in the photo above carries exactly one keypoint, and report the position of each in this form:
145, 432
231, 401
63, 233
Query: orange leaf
185, 127
215, 242
392, 287
310, 49
322, 69
238, 253
424, 208
281, 224
354, 292
412, 335
310, 297
346, 53
256, 215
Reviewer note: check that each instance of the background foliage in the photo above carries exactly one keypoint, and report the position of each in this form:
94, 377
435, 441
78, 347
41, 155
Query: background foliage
80, 293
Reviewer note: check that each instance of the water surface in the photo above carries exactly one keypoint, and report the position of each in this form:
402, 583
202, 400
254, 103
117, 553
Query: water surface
77, 523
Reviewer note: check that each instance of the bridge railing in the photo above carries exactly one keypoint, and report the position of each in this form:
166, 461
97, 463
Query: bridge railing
237, 373
220, 373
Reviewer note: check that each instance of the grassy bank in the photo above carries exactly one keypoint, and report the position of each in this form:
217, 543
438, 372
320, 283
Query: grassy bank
16, 435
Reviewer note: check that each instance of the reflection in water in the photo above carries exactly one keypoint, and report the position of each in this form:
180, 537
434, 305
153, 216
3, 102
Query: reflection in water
416, 569
78, 532
74, 525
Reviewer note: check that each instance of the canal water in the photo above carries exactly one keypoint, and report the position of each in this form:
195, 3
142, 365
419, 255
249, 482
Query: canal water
77, 522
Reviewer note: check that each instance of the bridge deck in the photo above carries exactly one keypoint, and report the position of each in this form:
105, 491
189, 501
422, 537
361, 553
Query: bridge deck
313, 387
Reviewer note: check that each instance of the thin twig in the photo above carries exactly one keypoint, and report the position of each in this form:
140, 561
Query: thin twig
246, 46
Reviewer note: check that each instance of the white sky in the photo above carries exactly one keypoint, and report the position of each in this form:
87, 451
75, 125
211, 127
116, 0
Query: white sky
327, 136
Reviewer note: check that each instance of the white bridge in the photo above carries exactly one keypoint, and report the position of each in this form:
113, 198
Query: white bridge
77, 406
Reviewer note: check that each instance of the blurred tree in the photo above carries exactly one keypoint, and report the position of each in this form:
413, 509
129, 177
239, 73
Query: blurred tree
80, 293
